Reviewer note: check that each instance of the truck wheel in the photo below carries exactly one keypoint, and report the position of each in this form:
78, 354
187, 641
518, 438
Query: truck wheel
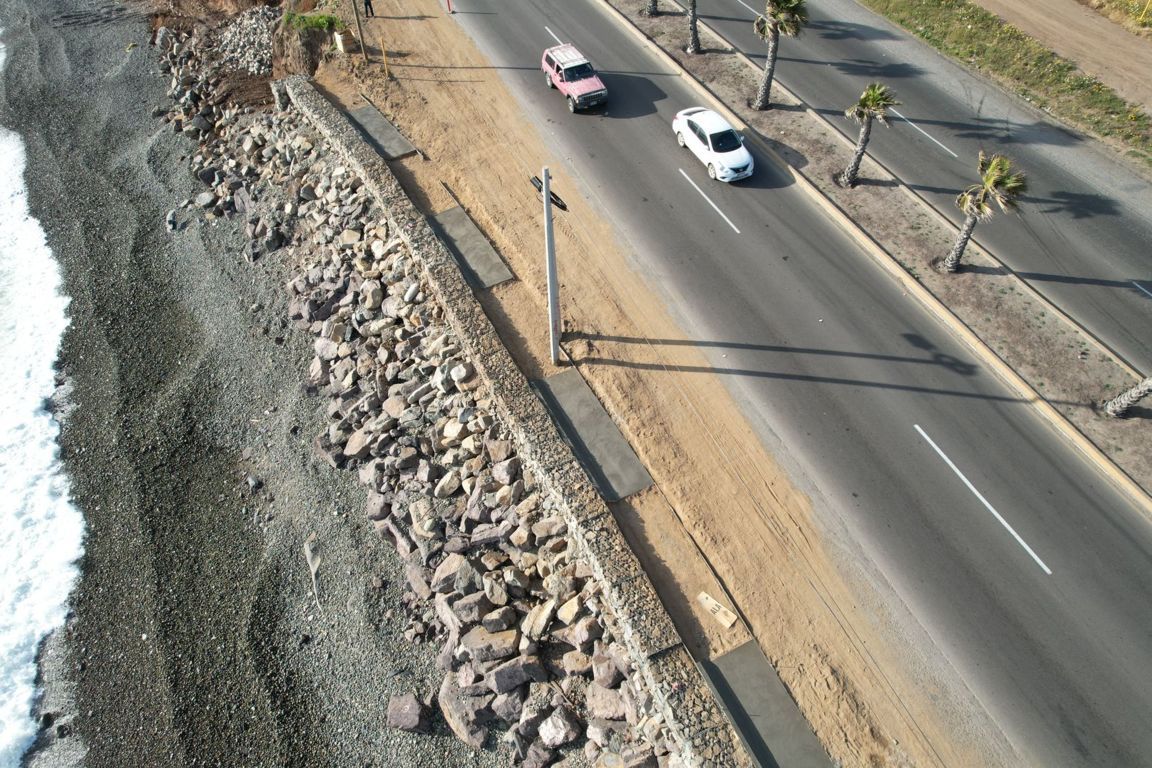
548, 80
571, 104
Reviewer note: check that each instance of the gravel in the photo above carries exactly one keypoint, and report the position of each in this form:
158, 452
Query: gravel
196, 639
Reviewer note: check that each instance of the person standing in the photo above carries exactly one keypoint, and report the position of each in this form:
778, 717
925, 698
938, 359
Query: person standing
368, 8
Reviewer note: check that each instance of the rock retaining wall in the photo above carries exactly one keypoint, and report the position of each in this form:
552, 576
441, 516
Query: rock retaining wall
697, 730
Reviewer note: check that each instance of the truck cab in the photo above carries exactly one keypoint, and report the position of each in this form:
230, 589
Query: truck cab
567, 70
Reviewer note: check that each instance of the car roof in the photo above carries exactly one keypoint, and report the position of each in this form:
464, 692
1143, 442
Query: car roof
566, 55
710, 121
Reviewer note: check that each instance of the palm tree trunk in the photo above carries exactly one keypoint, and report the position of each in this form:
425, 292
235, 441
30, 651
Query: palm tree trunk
953, 260
1118, 407
693, 31
650, 9
848, 178
769, 70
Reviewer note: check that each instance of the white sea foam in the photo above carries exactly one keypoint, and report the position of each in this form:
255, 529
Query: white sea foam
41, 533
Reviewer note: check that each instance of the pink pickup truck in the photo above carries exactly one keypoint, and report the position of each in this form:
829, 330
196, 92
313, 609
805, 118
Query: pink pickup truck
567, 69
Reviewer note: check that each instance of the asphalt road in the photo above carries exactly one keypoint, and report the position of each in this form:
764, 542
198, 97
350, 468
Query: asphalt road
1084, 239
854, 387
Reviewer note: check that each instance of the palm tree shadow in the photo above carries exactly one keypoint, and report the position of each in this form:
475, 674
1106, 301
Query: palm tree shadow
717, 17
1078, 205
791, 155
1139, 412
864, 181
844, 30
976, 269
1011, 131
877, 70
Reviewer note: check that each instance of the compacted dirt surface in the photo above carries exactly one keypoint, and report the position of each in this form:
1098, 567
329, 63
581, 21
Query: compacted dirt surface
1102, 48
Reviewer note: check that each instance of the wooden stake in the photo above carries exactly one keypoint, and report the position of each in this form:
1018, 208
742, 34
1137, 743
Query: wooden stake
360, 31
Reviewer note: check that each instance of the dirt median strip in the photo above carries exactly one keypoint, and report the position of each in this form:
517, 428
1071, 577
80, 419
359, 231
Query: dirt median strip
1132, 482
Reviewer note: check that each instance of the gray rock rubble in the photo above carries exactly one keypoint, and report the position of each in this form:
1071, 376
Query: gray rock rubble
521, 631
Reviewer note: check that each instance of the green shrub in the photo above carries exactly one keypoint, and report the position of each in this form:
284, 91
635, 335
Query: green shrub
303, 21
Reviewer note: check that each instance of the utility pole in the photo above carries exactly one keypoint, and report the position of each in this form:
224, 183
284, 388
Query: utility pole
550, 260
360, 31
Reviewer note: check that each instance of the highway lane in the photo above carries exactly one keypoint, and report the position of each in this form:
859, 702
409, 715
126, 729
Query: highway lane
837, 369
1085, 237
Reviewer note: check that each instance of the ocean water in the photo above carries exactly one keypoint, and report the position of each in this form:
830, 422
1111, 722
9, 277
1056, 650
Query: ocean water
41, 533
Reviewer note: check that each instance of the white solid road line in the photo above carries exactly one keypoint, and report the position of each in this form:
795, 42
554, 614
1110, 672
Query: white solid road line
1142, 288
558, 40
923, 132
714, 206
754, 11
983, 500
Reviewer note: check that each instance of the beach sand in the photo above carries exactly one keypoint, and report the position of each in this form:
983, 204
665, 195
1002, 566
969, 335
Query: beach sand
196, 639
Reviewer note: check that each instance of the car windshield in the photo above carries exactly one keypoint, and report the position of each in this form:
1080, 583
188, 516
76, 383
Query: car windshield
725, 141
578, 72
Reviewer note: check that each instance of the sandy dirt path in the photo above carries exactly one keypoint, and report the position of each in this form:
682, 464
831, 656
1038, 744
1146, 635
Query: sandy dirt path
723, 517
1101, 47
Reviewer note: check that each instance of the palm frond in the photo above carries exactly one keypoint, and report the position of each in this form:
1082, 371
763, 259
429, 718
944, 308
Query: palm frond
873, 103
762, 27
1000, 185
787, 16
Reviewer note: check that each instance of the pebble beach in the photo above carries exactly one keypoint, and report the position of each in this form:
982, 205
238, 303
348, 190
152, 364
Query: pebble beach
194, 637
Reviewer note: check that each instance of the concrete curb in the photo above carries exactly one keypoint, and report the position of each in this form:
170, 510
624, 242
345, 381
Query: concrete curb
679, 694
886, 261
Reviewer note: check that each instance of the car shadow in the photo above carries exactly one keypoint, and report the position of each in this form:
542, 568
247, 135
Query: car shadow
767, 175
629, 96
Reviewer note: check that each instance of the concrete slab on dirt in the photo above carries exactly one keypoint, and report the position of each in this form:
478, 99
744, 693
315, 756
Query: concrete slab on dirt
759, 707
595, 439
478, 260
380, 133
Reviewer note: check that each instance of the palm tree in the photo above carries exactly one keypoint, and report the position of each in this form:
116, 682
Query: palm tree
1118, 406
781, 17
999, 184
649, 9
693, 31
872, 105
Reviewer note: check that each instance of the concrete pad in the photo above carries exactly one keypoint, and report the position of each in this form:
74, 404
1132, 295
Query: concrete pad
762, 711
478, 260
380, 133
597, 443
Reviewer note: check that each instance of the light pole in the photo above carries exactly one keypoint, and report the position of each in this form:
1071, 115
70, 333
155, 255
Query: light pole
550, 261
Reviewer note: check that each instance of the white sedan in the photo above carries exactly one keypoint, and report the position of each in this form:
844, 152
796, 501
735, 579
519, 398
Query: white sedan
715, 142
